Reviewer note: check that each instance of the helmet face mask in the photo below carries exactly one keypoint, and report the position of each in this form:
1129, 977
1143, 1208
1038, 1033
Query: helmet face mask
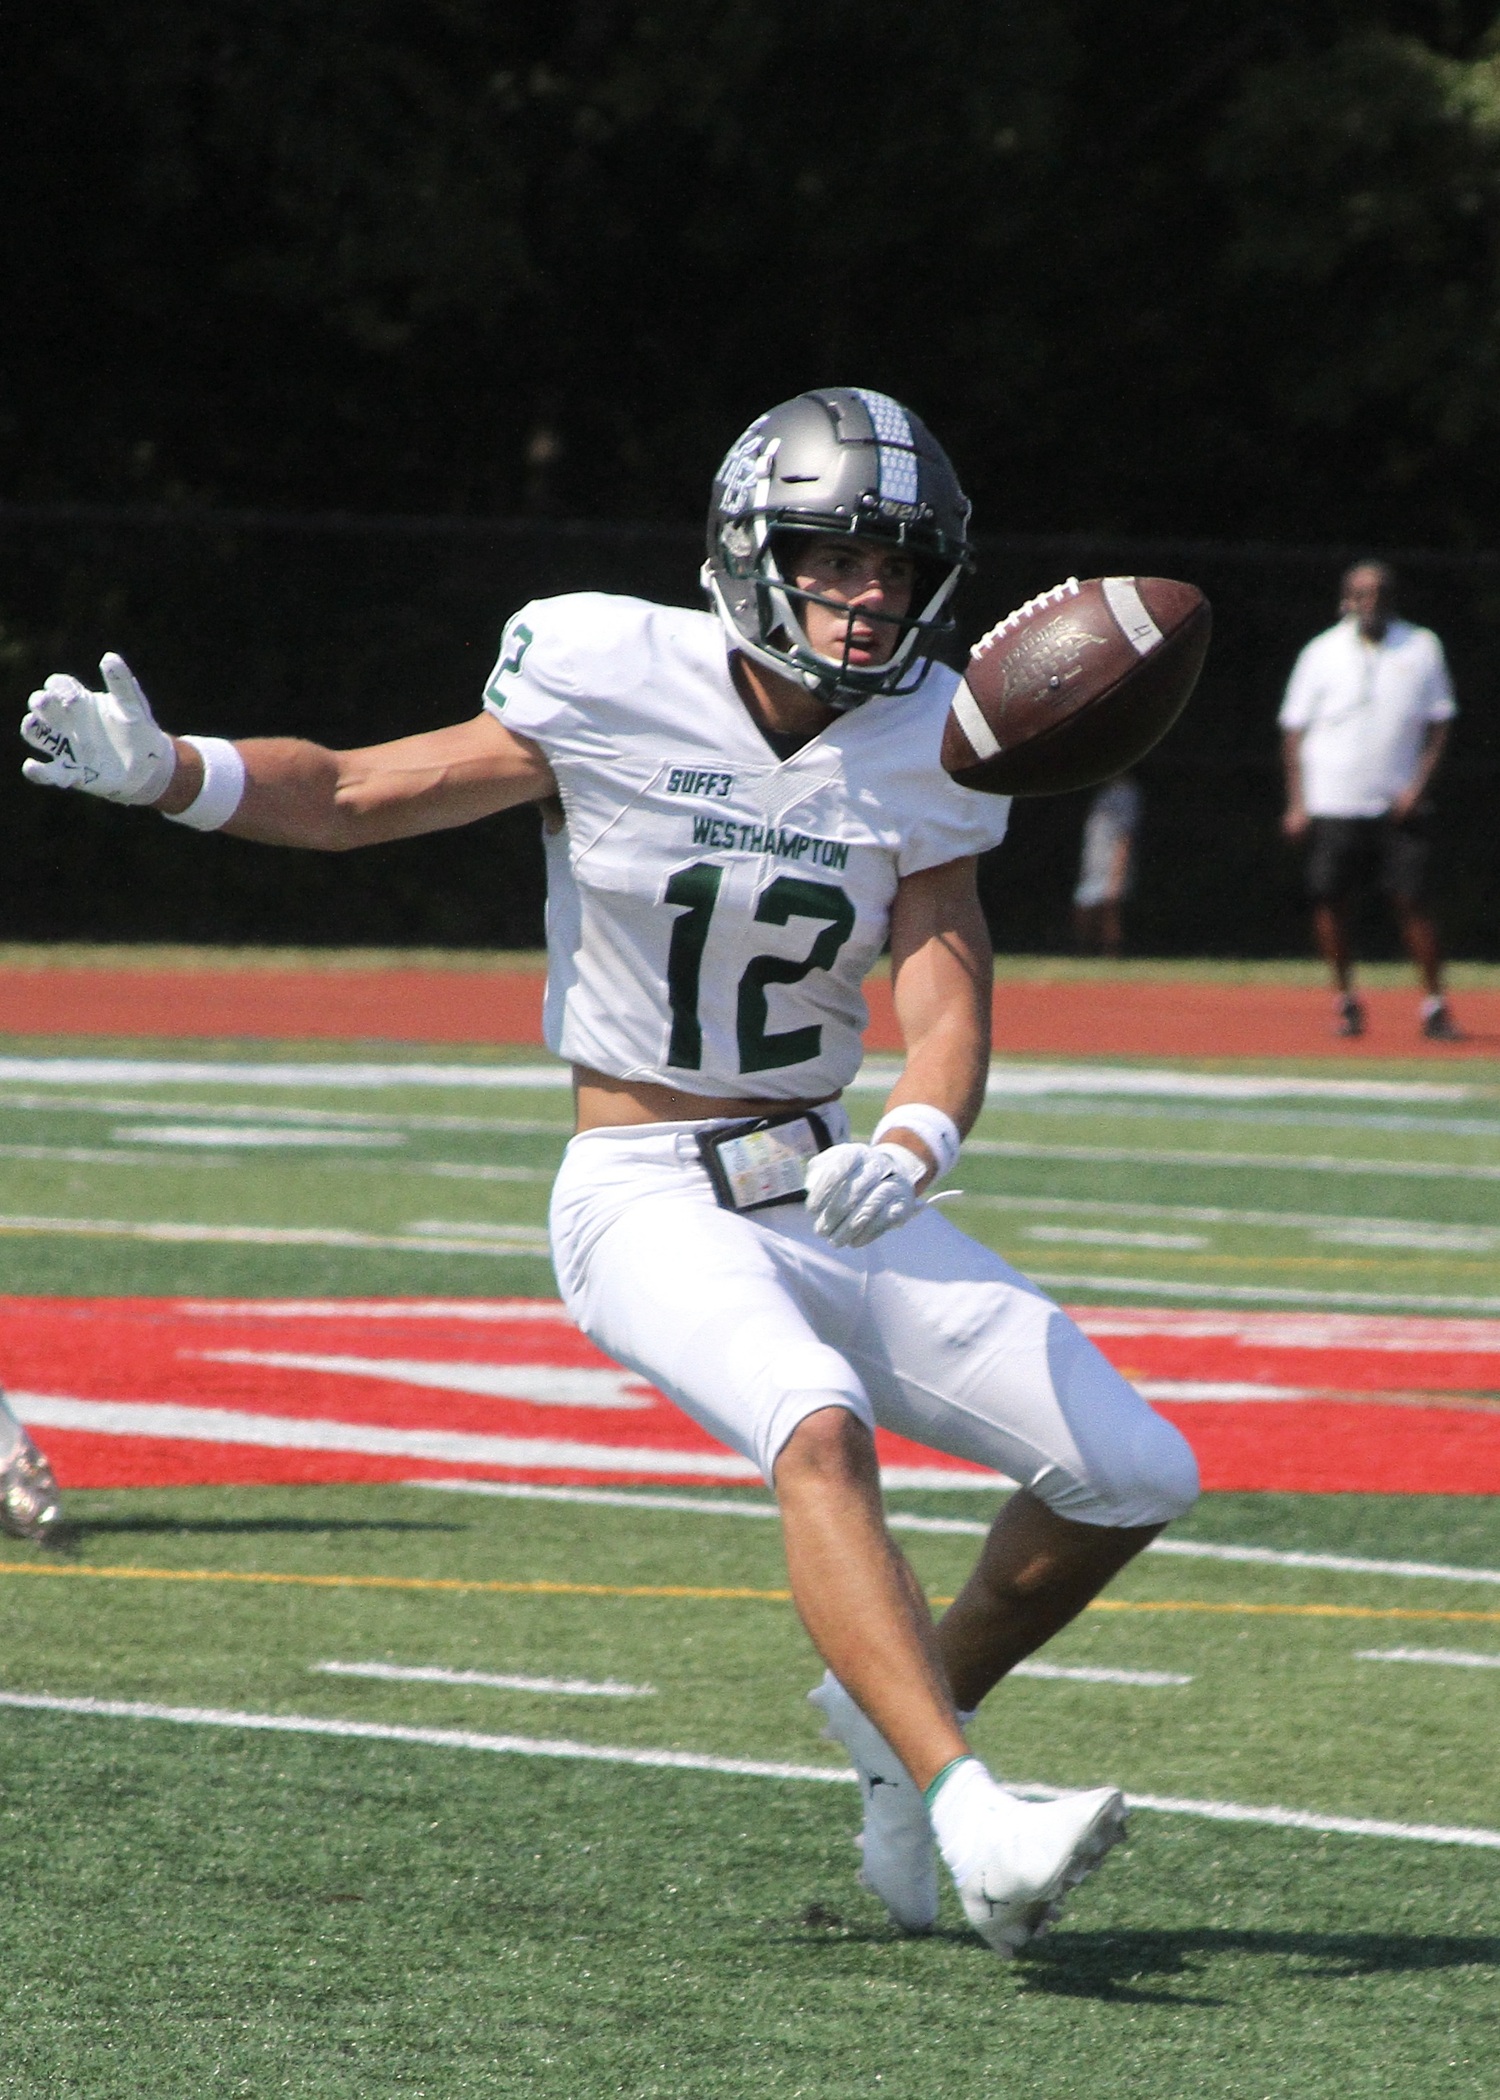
839, 461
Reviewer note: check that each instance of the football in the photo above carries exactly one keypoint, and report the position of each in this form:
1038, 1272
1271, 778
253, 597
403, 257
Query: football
1076, 685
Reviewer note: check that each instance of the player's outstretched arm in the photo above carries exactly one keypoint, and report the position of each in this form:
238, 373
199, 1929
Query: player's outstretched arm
279, 790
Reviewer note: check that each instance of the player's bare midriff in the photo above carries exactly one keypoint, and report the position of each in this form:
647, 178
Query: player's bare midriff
602, 1101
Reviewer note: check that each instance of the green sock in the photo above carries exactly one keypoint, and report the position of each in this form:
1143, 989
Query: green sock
934, 1786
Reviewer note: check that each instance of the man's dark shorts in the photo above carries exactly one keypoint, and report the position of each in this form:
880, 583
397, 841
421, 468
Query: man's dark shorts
1348, 854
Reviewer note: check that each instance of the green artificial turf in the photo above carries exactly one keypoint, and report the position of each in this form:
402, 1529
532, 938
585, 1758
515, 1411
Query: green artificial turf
194, 1910
1091, 1193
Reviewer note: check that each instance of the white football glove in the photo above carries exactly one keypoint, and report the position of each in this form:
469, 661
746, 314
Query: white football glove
857, 1192
107, 743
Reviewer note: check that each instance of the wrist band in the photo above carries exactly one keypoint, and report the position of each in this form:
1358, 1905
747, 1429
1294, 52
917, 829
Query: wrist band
223, 785
938, 1132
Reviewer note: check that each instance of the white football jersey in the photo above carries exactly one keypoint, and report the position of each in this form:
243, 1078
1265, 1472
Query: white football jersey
712, 910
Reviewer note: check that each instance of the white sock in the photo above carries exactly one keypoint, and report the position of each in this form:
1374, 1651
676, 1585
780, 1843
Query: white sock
960, 1813
11, 1433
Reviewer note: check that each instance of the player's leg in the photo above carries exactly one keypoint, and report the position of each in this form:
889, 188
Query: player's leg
1035, 1572
885, 1696
725, 1314
959, 1352
856, 1593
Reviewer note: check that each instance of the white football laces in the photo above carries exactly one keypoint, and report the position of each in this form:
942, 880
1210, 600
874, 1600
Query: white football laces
1055, 596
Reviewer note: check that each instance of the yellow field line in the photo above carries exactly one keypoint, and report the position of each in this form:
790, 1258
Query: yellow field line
463, 1586
390, 1582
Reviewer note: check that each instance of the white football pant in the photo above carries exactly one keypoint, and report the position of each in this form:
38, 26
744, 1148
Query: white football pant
749, 1323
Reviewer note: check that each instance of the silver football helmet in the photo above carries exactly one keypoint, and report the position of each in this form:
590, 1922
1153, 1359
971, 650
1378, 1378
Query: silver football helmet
837, 460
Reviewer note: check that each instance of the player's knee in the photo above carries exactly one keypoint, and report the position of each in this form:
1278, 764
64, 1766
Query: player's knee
1145, 1475
829, 1444
1130, 1466
1166, 1471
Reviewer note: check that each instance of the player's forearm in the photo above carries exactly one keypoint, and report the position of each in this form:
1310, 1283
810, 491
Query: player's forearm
942, 972
290, 795
302, 794
947, 1066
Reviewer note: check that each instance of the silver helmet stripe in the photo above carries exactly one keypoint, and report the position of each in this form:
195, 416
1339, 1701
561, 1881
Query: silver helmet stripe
895, 445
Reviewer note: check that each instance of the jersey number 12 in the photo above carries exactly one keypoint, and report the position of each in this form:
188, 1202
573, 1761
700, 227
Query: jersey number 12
788, 897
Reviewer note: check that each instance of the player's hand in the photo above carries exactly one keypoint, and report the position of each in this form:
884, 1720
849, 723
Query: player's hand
107, 743
857, 1192
1294, 823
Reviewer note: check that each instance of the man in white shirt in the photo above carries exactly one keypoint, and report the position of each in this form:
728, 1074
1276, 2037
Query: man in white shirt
1364, 725
742, 806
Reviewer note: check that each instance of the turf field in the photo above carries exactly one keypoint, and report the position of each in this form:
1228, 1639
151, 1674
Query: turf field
234, 1869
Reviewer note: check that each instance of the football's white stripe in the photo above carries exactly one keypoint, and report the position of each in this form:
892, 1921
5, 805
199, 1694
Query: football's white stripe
982, 739
1129, 609
695, 1761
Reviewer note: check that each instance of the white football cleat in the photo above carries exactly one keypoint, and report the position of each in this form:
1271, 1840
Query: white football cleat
1034, 1852
900, 1859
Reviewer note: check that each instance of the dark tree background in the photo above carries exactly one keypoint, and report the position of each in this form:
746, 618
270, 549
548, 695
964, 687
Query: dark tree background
1159, 274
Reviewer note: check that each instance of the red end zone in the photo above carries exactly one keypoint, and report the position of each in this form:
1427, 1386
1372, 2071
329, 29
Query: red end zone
134, 1392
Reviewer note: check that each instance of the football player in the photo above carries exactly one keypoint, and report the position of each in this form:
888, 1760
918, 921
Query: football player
741, 808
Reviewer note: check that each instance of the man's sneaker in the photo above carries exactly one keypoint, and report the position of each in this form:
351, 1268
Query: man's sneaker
900, 1860
1438, 1024
1018, 1870
1348, 1016
30, 1506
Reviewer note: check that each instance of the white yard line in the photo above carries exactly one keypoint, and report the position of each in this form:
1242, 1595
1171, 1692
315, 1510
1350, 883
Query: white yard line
313, 1118
248, 1136
542, 1385
216, 1425
519, 1240
360, 1077
1261, 1294
1458, 1657
1021, 1079
1278, 1162
135, 1156
696, 1761
483, 1310
966, 1527
561, 1687
1087, 1673
1337, 1563
1380, 1332
1220, 1214
1115, 1236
